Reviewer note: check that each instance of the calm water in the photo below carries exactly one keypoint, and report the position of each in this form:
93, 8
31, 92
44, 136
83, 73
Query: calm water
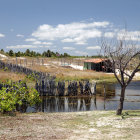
101, 101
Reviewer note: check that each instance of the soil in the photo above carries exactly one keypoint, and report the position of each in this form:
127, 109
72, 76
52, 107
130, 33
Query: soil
91, 125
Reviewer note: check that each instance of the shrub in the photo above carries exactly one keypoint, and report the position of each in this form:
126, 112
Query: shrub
17, 97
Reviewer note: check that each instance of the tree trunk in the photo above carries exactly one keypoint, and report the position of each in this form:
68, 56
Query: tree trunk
120, 108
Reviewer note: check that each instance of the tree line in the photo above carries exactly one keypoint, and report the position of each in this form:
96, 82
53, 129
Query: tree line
47, 53
30, 53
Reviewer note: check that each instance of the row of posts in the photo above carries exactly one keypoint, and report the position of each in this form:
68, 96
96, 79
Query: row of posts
62, 88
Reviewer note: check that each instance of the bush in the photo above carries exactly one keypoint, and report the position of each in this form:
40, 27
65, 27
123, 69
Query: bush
17, 97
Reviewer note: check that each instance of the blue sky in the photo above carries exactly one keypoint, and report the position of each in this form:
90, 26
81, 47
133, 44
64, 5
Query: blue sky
72, 26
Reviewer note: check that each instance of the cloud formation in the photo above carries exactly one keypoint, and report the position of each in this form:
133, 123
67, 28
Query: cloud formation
2, 35
37, 42
129, 35
20, 35
77, 32
93, 48
21, 47
109, 34
68, 48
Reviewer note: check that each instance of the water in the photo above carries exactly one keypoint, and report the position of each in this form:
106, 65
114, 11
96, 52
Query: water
108, 100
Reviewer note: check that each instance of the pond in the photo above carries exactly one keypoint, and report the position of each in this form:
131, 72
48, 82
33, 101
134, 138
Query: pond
105, 99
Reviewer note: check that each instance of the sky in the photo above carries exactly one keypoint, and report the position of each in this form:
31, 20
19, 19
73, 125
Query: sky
72, 26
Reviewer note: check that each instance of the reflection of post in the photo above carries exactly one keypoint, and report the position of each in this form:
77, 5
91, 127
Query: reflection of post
95, 88
95, 102
43, 104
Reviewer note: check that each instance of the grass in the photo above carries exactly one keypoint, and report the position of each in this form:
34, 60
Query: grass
66, 73
6, 75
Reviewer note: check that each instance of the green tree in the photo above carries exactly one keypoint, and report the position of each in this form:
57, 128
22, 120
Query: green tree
2, 50
27, 52
11, 53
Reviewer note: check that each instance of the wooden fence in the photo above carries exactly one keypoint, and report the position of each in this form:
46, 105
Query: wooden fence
47, 86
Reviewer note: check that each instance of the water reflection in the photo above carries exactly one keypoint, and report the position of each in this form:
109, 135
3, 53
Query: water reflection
106, 98
66, 104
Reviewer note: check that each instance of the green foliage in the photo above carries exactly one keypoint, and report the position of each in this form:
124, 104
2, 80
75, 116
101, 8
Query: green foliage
7, 101
2, 50
11, 53
30, 53
32, 77
16, 96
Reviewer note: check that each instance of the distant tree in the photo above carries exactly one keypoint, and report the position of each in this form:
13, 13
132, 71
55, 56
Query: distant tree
38, 54
124, 55
27, 52
48, 53
66, 55
2, 50
11, 53
18, 54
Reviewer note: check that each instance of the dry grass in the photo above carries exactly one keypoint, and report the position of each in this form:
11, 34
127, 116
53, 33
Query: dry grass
66, 73
5, 75
100, 125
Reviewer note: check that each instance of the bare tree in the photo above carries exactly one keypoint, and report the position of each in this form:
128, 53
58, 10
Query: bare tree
124, 53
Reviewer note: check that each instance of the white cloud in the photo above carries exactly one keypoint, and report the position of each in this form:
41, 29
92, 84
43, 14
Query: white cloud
2, 35
76, 32
47, 43
30, 39
41, 43
36, 42
109, 34
93, 48
68, 40
129, 35
44, 46
81, 43
21, 47
68, 48
20, 35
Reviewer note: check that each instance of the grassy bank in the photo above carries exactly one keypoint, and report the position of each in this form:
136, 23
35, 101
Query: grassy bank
7, 75
71, 126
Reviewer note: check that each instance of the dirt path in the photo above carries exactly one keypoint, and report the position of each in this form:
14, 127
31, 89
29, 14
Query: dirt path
90, 125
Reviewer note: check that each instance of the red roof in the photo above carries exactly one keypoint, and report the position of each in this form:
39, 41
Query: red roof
95, 60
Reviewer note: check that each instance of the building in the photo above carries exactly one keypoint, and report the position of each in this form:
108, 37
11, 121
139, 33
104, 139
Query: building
98, 64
